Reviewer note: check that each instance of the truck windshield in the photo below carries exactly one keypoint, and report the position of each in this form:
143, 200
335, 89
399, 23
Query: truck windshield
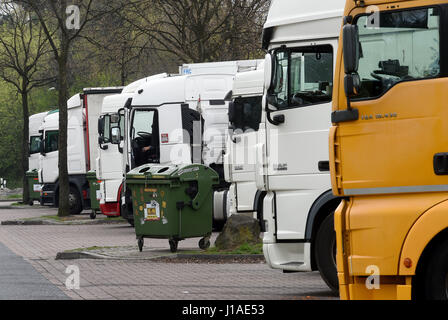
35, 144
303, 77
398, 46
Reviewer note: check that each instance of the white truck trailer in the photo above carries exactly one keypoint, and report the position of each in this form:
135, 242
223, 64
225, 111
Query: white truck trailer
83, 113
292, 171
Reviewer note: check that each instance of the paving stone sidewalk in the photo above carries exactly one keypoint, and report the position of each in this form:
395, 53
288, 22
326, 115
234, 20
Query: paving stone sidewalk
142, 279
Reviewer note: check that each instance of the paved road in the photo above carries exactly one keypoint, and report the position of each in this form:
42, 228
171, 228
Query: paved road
121, 279
19, 280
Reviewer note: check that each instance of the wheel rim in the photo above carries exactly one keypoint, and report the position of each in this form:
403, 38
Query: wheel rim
71, 200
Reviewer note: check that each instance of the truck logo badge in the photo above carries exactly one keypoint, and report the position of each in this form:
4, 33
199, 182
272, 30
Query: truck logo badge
165, 138
380, 116
281, 167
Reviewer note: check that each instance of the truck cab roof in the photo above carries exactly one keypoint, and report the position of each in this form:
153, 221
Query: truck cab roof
302, 20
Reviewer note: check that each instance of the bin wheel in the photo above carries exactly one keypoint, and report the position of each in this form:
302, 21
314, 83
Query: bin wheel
141, 242
31, 203
204, 243
173, 245
93, 215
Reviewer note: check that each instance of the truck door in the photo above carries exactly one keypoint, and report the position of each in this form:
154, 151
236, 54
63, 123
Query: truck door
110, 159
297, 132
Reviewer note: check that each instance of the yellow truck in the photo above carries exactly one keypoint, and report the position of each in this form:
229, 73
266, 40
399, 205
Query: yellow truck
389, 150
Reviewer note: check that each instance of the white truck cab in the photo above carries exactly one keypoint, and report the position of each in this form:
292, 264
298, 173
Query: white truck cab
246, 118
163, 124
35, 138
293, 161
109, 163
82, 136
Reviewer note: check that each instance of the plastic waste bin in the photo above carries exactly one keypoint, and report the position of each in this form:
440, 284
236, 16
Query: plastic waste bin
34, 187
94, 193
172, 202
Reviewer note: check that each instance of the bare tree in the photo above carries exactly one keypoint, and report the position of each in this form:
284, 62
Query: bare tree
199, 30
22, 49
63, 23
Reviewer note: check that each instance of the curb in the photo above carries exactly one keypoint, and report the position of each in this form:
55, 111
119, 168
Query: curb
59, 223
168, 258
75, 256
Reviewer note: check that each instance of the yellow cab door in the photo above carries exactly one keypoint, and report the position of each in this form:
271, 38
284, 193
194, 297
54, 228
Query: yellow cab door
391, 159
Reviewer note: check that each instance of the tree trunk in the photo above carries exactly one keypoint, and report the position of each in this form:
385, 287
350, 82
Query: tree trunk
64, 209
25, 144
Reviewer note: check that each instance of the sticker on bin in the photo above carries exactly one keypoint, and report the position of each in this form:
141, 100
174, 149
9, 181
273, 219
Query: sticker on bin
152, 211
37, 188
99, 195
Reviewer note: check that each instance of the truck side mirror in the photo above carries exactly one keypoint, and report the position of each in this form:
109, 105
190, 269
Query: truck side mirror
352, 85
101, 126
351, 48
42, 147
236, 115
115, 135
268, 71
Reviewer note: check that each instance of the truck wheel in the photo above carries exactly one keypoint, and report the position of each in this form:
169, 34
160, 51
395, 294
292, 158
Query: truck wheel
435, 282
74, 200
325, 253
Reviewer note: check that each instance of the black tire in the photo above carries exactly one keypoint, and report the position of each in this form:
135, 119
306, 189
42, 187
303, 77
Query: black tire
131, 222
204, 244
93, 215
325, 253
31, 203
173, 245
75, 201
435, 277
141, 243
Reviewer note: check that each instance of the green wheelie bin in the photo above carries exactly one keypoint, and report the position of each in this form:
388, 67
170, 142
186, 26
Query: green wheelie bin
94, 187
34, 187
172, 202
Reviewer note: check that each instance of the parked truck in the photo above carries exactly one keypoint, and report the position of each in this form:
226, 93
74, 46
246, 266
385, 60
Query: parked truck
295, 202
109, 162
35, 138
388, 150
239, 160
181, 120
83, 113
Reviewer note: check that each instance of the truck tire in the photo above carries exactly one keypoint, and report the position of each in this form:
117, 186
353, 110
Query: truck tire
75, 201
435, 277
325, 253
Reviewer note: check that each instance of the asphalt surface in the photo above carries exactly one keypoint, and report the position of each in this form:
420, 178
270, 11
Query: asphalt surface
20, 281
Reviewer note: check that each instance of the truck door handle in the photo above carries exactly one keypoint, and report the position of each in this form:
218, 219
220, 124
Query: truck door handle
441, 164
324, 166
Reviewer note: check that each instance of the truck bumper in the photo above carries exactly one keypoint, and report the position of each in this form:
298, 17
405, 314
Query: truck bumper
48, 195
292, 257
358, 290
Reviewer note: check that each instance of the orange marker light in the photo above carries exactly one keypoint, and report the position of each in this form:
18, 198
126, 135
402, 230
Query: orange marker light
407, 263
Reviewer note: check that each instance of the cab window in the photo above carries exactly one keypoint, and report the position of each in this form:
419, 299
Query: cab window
51, 141
302, 77
251, 108
398, 46
35, 144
